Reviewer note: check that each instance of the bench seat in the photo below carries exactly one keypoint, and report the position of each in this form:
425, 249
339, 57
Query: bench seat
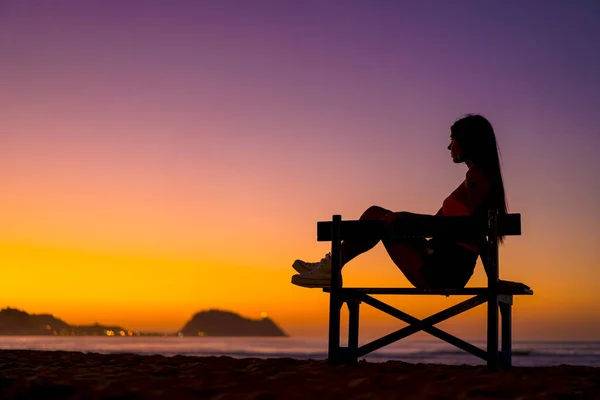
442, 292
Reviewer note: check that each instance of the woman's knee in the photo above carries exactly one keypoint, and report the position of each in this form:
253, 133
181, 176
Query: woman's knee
402, 214
374, 212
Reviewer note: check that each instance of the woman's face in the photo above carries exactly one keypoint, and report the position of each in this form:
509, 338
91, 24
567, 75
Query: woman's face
455, 150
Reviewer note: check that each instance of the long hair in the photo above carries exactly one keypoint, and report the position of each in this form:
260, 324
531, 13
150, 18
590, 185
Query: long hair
477, 140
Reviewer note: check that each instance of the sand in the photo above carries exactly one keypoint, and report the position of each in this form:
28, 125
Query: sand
72, 375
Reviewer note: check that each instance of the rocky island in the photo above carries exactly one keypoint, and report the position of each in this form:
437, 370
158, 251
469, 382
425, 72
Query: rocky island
226, 323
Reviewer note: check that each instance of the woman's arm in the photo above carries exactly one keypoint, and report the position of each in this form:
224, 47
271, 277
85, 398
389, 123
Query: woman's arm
478, 188
483, 254
405, 215
469, 197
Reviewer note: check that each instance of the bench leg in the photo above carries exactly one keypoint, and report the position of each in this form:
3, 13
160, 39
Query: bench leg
353, 308
334, 354
492, 332
506, 315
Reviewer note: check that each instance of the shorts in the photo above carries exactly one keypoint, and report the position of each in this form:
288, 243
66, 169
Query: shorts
447, 265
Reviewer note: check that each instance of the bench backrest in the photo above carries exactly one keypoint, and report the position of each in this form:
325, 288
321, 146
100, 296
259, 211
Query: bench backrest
428, 226
484, 232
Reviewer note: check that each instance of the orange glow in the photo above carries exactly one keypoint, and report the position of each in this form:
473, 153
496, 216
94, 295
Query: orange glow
161, 293
143, 180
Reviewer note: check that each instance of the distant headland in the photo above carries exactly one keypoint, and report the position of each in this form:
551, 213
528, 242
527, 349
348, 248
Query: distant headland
226, 323
204, 323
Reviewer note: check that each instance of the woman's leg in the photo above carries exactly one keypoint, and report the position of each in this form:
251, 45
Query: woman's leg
407, 255
356, 246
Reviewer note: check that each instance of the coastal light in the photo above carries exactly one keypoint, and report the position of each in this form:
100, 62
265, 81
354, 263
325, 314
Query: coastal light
263, 314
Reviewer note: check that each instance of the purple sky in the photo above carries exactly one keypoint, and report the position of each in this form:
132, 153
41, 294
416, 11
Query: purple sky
260, 108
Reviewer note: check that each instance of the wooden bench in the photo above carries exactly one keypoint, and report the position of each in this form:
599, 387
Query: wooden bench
497, 295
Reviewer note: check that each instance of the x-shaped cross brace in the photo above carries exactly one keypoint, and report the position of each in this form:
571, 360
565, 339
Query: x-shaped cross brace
417, 325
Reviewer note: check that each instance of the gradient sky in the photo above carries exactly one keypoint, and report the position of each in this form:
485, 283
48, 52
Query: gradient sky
160, 158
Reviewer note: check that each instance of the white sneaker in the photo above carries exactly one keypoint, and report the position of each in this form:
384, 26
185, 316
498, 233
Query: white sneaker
304, 267
318, 277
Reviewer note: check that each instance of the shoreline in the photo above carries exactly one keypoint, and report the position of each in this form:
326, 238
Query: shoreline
75, 375
418, 351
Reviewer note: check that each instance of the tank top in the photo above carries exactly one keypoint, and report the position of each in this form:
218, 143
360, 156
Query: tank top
456, 205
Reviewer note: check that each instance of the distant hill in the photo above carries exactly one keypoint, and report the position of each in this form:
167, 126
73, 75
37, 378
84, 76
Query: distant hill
226, 323
204, 323
17, 322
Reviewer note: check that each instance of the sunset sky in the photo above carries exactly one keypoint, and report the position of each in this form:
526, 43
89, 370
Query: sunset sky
158, 158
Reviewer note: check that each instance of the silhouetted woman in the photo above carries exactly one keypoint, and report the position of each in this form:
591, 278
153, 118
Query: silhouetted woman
434, 263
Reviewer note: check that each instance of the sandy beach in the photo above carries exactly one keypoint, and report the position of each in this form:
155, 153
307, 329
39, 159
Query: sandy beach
72, 375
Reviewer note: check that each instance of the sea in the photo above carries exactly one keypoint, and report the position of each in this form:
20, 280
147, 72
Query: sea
525, 353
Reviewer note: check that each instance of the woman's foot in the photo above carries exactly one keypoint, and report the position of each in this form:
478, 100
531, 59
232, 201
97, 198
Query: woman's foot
304, 267
318, 277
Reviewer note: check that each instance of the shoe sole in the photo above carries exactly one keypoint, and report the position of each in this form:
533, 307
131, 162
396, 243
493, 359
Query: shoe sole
299, 280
